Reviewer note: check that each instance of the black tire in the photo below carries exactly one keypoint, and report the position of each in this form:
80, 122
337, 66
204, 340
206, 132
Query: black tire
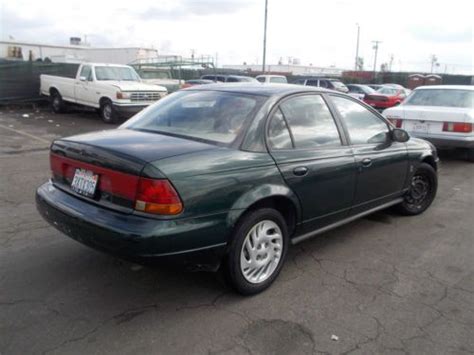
233, 270
57, 103
470, 154
422, 191
107, 112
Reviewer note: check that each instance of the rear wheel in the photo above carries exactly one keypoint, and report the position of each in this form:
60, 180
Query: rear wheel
258, 251
107, 112
57, 103
422, 192
470, 154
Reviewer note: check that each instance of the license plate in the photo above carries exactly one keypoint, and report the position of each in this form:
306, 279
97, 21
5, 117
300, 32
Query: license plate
420, 127
85, 182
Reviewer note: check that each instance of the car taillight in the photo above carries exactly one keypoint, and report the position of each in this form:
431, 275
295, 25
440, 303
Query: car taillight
397, 122
460, 127
157, 196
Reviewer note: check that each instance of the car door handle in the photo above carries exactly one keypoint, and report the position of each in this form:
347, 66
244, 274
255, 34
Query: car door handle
300, 171
366, 162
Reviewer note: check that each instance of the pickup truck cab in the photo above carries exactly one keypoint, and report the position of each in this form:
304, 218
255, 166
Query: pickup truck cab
114, 90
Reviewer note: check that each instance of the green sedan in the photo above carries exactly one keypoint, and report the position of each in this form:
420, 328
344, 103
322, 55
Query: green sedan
229, 176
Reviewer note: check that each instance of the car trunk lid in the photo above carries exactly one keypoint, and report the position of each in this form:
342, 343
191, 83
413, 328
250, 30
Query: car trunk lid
116, 159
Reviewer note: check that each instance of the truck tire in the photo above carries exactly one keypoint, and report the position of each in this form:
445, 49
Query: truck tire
57, 103
107, 112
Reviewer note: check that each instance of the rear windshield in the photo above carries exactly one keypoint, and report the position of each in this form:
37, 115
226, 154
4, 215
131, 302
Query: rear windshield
277, 79
441, 97
204, 115
337, 84
388, 91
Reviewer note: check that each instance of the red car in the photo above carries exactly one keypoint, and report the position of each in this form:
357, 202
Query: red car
385, 97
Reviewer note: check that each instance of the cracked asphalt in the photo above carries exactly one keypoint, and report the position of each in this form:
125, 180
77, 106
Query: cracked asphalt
384, 284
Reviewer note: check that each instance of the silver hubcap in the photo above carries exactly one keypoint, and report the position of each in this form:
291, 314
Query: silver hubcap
107, 112
261, 251
56, 102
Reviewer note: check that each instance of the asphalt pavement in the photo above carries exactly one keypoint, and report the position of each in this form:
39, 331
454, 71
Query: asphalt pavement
384, 284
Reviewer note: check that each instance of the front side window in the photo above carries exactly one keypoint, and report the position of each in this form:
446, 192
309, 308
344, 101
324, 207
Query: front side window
364, 126
312, 82
261, 79
86, 72
310, 122
204, 115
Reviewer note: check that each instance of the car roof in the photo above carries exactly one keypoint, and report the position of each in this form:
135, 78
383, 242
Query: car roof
260, 89
447, 87
270, 76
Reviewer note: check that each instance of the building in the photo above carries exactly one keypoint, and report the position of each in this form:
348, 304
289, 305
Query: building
73, 53
290, 69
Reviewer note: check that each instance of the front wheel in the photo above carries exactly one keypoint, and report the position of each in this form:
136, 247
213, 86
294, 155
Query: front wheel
107, 112
422, 191
258, 251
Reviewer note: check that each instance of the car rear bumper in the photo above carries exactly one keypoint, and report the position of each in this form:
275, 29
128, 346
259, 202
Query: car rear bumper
197, 243
443, 141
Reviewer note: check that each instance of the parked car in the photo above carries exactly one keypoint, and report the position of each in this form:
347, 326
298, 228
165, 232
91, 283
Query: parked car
441, 114
229, 78
232, 175
115, 90
359, 91
333, 84
385, 97
274, 79
161, 77
193, 82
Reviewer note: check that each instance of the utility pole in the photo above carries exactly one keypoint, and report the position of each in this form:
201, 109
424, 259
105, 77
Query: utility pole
434, 61
265, 37
376, 49
357, 48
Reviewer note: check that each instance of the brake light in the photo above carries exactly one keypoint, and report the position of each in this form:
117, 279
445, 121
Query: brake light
397, 122
460, 127
157, 197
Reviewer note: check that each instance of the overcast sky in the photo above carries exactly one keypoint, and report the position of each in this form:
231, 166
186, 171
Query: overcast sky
322, 33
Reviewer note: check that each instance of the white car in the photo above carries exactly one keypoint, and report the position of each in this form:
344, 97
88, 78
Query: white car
274, 79
441, 114
114, 90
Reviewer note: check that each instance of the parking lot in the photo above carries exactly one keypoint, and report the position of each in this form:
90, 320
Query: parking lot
383, 284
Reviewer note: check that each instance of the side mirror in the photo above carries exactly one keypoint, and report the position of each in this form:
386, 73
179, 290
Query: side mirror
400, 135
82, 78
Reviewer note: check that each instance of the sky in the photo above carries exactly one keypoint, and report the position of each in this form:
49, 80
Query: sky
320, 33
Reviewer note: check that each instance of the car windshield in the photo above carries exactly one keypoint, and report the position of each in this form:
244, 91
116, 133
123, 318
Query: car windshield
367, 89
152, 74
116, 73
442, 97
212, 116
387, 91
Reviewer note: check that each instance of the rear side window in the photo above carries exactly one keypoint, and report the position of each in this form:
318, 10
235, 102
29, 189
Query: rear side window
312, 83
364, 126
278, 134
310, 122
232, 80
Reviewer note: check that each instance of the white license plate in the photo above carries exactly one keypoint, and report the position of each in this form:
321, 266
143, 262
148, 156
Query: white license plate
85, 182
419, 127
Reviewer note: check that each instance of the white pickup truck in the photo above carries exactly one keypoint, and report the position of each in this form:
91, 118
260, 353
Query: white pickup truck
114, 90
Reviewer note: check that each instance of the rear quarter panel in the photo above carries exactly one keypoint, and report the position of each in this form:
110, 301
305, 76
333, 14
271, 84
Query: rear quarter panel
223, 181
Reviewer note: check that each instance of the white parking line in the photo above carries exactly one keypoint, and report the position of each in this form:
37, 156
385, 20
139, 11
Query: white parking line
25, 134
